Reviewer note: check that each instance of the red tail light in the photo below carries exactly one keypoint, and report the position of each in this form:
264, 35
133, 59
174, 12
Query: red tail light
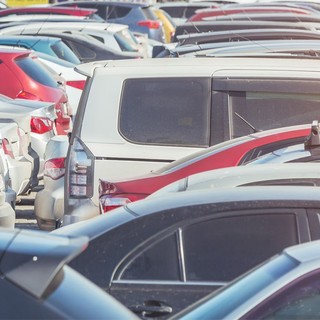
151, 24
41, 125
108, 203
54, 168
79, 84
27, 95
7, 148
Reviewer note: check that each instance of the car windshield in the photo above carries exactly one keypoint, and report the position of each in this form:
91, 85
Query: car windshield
226, 300
63, 52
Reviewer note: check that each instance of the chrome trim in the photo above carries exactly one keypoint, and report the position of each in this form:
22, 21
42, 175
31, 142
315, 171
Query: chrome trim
171, 283
182, 264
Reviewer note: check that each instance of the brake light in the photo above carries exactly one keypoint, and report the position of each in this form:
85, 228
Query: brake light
81, 171
79, 84
151, 24
54, 168
108, 203
27, 95
7, 148
41, 125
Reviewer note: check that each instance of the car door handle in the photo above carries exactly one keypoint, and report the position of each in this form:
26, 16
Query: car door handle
152, 308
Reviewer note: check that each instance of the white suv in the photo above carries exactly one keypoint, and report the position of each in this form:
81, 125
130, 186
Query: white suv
134, 116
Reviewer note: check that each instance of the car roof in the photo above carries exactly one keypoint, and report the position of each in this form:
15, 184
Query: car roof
101, 2
206, 67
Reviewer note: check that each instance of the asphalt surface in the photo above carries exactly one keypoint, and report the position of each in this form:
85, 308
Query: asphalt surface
25, 218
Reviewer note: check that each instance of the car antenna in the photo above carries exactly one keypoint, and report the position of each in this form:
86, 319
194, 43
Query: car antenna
247, 123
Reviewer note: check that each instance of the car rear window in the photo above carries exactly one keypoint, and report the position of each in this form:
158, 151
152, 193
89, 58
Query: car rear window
125, 41
153, 111
63, 52
35, 70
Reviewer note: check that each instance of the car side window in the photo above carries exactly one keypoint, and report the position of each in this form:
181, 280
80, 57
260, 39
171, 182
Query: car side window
225, 244
163, 111
260, 108
298, 300
160, 262
81, 51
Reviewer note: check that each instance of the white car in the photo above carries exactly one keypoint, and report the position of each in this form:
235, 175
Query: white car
117, 37
38, 126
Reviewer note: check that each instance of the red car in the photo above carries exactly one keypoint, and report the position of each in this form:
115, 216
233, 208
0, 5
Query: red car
24, 76
201, 14
234, 152
79, 12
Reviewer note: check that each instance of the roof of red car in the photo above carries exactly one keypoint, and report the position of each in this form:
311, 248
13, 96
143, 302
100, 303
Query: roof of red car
75, 11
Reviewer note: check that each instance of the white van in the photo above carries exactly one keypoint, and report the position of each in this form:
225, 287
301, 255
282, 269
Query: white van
134, 116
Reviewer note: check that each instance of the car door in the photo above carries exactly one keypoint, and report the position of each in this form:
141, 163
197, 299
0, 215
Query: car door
168, 273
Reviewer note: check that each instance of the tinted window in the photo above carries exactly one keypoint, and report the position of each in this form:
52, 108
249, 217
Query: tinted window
222, 249
83, 52
166, 111
265, 110
299, 300
35, 70
114, 12
160, 262
62, 51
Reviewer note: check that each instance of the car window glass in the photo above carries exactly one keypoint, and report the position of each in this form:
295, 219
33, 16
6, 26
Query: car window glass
82, 51
125, 41
153, 111
298, 300
233, 245
159, 262
35, 70
260, 108
114, 12
62, 51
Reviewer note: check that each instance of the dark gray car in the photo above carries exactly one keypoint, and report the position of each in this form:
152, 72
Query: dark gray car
158, 256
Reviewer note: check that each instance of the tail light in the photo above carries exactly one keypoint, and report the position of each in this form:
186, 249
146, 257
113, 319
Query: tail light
111, 197
7, 148
27, 95
81, 168
41, 125
150, 24
77, 84
108, 202
54, 168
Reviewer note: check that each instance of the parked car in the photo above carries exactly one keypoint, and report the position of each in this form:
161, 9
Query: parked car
235, 152
36, 283
24, 77
49, 45
32, 10
214, 26
285, 286
84, 46
40, 127
260, 175
159, 111
117, 39
248, 36
167, 22
138, 16
169, 254
225, 11
7, 213
181, 11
